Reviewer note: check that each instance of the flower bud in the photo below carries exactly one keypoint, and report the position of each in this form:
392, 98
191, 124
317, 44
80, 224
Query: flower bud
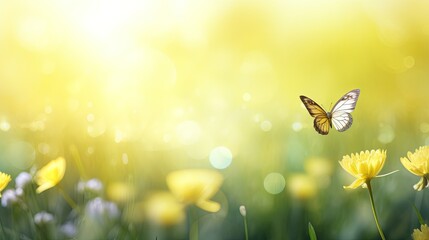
242, 210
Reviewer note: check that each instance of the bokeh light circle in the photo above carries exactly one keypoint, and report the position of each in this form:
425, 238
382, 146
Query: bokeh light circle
297, 126
220, 157
188, 132
274, 183
266, 125
386, 134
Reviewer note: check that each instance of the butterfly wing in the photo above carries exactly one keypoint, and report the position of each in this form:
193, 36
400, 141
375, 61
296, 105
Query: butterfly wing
341, 117
322, 122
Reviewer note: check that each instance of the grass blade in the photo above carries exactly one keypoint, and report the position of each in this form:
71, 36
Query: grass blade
419, 216
311, 232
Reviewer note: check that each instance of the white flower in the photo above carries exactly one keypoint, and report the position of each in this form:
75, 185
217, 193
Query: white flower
19, 192
23, 179
93, 185
69, 230
9, 198
102, 210
43, 218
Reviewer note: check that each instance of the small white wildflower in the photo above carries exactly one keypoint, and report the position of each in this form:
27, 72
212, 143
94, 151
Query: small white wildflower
43, 218
23, 179
94, 185
9, 198
100, 209
243, 210
69, 230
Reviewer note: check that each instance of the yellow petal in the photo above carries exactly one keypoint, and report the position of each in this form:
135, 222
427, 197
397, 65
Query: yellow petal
51, 174
410, 167
4, 181
209, 206
421, 184
356, 183
44, 187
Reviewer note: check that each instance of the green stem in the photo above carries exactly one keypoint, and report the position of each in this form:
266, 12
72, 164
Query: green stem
2, 228
193, 221
68, 199
368, 184
245, 228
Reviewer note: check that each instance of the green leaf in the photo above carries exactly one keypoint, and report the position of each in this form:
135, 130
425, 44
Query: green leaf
311, 232
419, 216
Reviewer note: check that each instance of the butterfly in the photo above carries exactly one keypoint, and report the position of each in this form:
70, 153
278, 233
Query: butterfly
339, 116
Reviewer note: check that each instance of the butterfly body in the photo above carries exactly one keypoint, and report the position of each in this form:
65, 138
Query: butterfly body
339, 116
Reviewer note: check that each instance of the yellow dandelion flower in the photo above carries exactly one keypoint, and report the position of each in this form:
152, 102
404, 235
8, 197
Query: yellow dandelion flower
418, 164
363, 166
51, 174
4, 181
422, 233
196, 186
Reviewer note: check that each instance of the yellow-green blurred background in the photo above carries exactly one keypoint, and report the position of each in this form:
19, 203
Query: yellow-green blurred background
138, 89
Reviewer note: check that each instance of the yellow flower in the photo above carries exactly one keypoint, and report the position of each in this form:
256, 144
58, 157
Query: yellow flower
51, 174
418, 164
121, 192
196, 186
363, 166
302, 186
4, 180
422, 234
164, 209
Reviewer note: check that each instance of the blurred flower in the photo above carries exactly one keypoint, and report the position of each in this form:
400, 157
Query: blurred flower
9, 198
164, 209
22, 180
363, 166
418, 164
102, 210
120, 192
422, 233
93, 185
19, 192
51, 174
302, 186
243, 210
196, 186
4, 181
43, 218
69, 230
